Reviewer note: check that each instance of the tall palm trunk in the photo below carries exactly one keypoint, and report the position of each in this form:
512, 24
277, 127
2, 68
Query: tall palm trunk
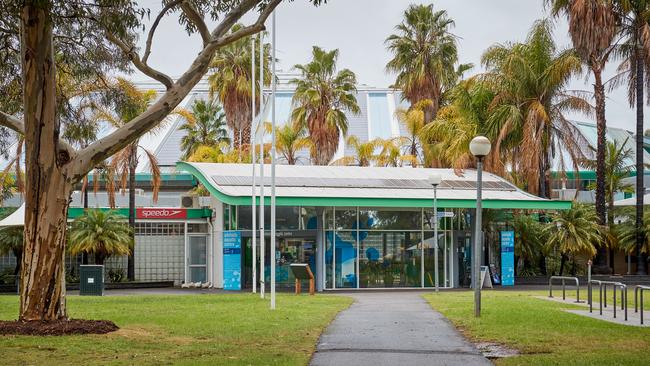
601, 126
133, 164
640, 189
47, 193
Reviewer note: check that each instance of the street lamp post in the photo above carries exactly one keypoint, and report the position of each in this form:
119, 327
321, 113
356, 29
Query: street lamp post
479, 147
435, 180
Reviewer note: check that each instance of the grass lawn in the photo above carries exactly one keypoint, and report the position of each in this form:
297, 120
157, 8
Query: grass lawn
186, 330
542, 331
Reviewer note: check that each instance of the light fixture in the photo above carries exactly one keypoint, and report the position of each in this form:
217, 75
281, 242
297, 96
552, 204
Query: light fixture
434, 179
480, 146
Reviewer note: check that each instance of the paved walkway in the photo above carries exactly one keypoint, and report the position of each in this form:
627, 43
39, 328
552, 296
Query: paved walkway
393, 328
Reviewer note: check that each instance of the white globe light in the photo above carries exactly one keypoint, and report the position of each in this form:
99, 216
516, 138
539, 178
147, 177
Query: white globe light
435, 179
480, 146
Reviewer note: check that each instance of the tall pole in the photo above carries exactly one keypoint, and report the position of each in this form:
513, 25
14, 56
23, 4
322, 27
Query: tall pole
253, 145
478, 238
273, 88
435, 235
262, 183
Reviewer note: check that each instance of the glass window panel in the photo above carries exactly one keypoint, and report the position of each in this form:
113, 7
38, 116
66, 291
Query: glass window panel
346, 219
198, 250
287, 217
389, 259
328, 224
429, 258
345, 258
444, 223
380, 121
390, 219
308, 218
198, 274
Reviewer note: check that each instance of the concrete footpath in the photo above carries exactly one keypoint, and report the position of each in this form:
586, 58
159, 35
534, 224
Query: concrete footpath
393, 328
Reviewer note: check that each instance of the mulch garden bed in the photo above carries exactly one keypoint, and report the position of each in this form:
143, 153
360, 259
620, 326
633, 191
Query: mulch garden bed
57, 327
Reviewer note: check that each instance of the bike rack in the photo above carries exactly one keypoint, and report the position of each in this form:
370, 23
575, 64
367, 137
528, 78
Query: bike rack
564, 278
637, 289
602, 290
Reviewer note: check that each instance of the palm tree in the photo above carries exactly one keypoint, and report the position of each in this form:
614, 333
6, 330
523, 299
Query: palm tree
413, 120
128, 102
101, 233
617, 168
529, 240
456, 124
393, 153
574, 232
230, 82
321, 98
626, 235
634, 19
364, 152
11, 241
289, 140
425, 55
205, 127
223, 153
527, 115
593, 26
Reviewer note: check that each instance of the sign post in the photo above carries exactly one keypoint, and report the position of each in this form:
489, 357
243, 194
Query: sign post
507, 258
232, 260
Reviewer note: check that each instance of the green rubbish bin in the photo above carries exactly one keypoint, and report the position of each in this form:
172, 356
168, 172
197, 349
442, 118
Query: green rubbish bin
91, 280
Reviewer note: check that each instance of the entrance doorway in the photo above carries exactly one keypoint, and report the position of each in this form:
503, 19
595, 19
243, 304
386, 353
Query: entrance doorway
197, 261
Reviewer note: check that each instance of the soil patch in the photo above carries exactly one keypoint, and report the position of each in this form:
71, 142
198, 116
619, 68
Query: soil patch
57, 327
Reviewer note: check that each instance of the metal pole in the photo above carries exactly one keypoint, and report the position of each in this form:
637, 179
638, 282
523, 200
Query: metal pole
435, 235
589, 281
273, 88
252, 144
262, 183
478, 241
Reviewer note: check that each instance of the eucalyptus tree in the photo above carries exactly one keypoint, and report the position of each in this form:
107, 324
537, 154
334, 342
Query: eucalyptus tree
425, 56
634, 50
593, 27
528, 114
230, 82
204, 126
323, 95
95, 39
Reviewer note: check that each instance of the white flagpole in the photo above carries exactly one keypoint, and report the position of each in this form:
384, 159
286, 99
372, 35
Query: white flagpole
261, 125
253, 145
273, 244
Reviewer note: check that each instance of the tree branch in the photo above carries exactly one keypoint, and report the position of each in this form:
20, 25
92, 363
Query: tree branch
196, 19
147, 48
12, 122
100, 150
139, 64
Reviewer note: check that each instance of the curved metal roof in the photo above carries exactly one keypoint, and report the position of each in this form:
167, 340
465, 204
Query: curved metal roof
363, 186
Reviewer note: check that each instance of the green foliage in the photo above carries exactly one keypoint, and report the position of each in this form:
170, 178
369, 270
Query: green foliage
182, 330
116, 275
574, 232
321, 97
204, 127
101, 233
530, 238
625, 232
425, 55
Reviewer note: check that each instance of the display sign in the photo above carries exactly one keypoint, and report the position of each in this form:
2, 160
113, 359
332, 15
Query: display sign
507, 258
158, 213
232, 260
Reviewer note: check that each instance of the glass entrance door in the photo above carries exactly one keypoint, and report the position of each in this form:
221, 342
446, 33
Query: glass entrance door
197, 266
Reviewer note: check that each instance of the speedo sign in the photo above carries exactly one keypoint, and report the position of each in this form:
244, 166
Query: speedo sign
161, 213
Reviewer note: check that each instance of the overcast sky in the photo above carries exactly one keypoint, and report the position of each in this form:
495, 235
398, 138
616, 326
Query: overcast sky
358, 29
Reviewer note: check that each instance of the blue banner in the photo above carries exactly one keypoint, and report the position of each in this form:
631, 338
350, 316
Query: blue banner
507, 258
232, 260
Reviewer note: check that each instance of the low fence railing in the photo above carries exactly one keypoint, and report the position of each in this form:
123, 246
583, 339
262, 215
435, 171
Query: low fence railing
564, 279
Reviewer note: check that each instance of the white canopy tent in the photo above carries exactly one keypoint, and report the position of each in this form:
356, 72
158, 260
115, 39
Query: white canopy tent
17, 218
